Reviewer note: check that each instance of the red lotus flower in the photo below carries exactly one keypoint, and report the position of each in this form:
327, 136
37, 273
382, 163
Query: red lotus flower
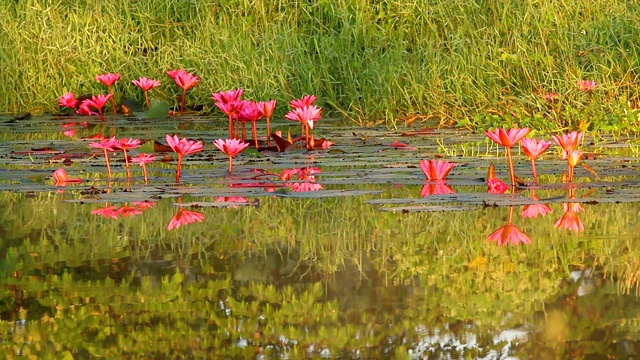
306, 115
183, 147
509, 234
125, 144
96, 102
250, 112
106, 145
436, 170
568, 141
436, 188
267, 108
184, 217
142, 160
508, 138
587, 85
146, 84
231, 147
495, 185
184, 80
306, 100
570, 220
62, 179
108, 79
226, 97
533, 149
68, 100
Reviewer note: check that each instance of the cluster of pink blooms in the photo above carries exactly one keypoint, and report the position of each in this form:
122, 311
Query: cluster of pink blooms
437, 170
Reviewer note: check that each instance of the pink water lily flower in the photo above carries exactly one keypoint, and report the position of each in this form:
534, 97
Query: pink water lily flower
106, 145
183, 147
508, 138
231, 148
185, 80
587, 85
146, 84
267, 108
108, 80
568, 141
142, 160
533, 149
306, 100
228, 96
184, 217
306, 115
97, 102
250, 112
68, 100
62, 179
436, 170
125, 144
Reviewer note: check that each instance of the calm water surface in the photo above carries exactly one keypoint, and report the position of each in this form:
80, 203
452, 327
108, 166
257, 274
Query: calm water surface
338, 253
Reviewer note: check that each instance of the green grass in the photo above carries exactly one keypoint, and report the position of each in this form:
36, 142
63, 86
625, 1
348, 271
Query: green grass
456, 61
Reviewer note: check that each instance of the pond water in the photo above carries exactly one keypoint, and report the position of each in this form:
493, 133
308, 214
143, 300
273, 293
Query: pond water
372, 263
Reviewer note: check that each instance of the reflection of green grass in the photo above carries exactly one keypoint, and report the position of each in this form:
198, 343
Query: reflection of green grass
364, 60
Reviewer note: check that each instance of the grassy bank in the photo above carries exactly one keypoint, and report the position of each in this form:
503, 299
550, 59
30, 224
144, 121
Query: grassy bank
450, 60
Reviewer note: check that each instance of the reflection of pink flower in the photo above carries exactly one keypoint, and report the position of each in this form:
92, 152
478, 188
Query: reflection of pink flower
304, 178
68, 100
535, 210
587, 85
143, 205
232, 199
436, 170
106, 212
184, 217
570, 220
509, 234
436, 188
126, 210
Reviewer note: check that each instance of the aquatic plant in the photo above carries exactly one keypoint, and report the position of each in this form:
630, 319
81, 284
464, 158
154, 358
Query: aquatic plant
108, 80
494, 184
267, 108
535, 210
305, 115
125, 144
569, 143
229, 103
533, 149
250, 112
569, 219
143, 159
145, 85
508, 138
509, 233
231, 148
184, 217
97, 102
184, 80
68, 100
106, 145
62, 179
183, 147
437, 187
436, 170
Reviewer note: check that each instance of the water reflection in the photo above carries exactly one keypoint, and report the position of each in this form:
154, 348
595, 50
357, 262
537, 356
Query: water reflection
436, 188
184, 217
509, 233
535, 210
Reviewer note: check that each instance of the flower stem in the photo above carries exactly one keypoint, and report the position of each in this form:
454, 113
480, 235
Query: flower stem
268, 131
512, 172
126, 163
231, 134
146, 98
570, 173
254, 133
178, 170
144, 171
533, 169
113, 102
230, 163
106, 158
184, 95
